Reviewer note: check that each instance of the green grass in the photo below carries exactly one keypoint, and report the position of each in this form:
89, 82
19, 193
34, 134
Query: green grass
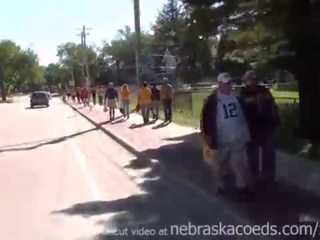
284, 94
287, 139
192, 116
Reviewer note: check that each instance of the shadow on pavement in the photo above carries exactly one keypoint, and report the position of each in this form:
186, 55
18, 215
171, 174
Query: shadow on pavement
119, 121
135, 125
14, 148
172, 201
109, 121
127, 215
35, 107
287, 205
161, 125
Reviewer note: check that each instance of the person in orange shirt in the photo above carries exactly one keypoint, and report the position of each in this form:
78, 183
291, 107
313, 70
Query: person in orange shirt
125, 99
144, 100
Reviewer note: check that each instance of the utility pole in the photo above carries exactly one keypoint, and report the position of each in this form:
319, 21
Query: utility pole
136, 6
85, 66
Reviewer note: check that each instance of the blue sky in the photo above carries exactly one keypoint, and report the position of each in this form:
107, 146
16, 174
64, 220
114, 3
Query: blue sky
42, 25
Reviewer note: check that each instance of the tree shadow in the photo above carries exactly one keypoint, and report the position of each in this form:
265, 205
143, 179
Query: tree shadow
16, 148
282, 206
179, 190
285, 205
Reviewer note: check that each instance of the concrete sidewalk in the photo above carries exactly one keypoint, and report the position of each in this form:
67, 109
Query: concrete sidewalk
178, 151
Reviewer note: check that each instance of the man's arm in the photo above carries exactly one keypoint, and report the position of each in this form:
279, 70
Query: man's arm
207, 123
274, 108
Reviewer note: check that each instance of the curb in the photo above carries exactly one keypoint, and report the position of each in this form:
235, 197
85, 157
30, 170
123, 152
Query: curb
221, 207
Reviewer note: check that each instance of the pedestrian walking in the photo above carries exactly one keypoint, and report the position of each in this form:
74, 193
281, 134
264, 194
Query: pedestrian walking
166, 93
155, 97
78, 94
225, 130
101, 92
85, 96
125, 100
144, 101
263, 120
111, 98
94, 94
73, 94
68, 90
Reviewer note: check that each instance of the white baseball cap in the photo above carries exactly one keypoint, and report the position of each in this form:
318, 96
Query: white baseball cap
224, 77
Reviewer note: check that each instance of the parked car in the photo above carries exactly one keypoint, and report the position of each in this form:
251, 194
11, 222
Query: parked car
39, 98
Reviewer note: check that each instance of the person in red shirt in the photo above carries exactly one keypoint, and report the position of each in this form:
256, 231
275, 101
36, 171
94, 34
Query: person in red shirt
85, 96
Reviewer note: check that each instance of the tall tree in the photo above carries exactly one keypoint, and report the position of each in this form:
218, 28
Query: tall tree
71, 57
293, 42
18, 68
170, 25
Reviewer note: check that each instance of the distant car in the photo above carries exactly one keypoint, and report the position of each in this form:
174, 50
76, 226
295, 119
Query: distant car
39, 98
49, 95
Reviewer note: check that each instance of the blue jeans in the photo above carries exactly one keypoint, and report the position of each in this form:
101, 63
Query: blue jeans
167, 107
125, 106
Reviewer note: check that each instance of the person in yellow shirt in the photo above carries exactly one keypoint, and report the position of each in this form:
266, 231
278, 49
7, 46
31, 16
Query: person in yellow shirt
166, 93
144, 100
101, 92
125, 99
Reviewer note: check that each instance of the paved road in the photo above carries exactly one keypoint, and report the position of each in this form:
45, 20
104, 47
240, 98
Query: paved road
61, 178
51, 159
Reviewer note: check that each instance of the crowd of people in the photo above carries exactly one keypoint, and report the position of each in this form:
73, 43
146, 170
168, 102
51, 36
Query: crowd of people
240, 130
149, 99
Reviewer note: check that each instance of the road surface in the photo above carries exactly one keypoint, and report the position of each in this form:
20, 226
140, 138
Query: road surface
61, 178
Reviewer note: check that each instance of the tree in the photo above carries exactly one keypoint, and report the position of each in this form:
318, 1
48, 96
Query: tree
71, 57
9, 53
19, 69
289, 35
51, 75
170, 25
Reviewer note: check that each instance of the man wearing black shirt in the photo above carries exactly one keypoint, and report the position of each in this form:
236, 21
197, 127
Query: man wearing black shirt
155, 97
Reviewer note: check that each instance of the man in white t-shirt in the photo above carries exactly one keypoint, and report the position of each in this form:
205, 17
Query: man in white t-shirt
225, 129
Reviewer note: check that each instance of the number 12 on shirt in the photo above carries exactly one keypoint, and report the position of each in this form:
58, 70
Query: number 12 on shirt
230, 110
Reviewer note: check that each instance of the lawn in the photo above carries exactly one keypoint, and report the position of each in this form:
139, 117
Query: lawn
192, 116
288, 111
